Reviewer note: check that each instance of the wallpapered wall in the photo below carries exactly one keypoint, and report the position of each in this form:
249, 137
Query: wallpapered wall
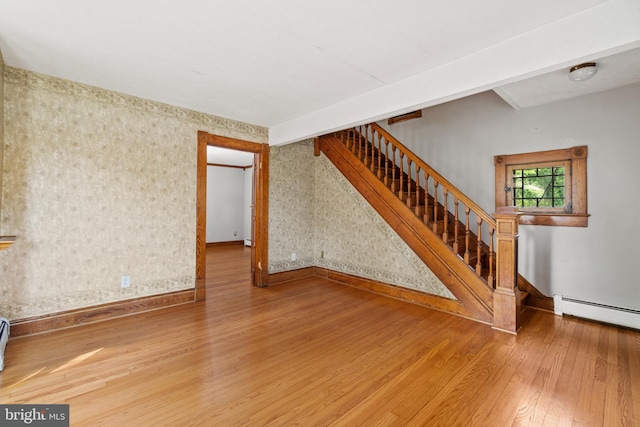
291, 205
1, 130
97, 185
316, 213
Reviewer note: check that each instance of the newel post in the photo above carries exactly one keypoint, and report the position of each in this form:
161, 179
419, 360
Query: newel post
506, 297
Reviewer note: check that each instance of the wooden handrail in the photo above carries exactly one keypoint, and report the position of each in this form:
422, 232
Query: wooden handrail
486, 217
404, 173
491, 265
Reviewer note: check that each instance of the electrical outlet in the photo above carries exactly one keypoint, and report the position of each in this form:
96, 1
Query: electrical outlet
294, 256
321, 254
235, 233
125, 282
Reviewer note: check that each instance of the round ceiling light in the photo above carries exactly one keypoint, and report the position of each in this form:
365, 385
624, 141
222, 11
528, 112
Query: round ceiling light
582, 72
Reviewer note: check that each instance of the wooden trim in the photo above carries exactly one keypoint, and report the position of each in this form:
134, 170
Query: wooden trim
576, 158
262, 220
259, 260
289, 275
229, 243
435, 302
566, 220
233, 143
471, 290
542, 156
404, 294
220, 165
201, 218
316, 146
404, 117
6, 241
536, 299
97, 313
506, 297
500, 163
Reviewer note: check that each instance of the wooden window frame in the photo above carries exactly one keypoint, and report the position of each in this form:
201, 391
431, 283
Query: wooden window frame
574, 214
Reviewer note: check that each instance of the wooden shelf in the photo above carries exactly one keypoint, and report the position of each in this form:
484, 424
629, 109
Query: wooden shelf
6, 241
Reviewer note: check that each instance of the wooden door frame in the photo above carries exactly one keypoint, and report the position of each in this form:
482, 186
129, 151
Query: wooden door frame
259, 261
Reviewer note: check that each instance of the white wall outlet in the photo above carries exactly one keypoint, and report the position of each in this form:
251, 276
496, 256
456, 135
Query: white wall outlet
294, 256
125, 282
235, 233
321, 254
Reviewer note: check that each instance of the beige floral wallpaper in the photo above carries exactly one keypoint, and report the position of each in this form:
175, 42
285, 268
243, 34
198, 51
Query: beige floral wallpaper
317, 213
97, 185
1, 131
291, 206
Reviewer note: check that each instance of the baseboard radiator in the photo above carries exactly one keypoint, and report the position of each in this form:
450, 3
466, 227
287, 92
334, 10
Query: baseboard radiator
599, 312
4, 337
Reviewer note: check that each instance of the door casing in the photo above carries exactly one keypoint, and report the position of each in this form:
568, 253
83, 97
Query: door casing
260, 203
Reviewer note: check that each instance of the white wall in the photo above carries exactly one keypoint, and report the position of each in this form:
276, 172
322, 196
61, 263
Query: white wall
225, 204
597, 263
248, 193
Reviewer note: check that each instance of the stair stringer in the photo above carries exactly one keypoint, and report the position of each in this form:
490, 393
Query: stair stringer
534, 298
474, 296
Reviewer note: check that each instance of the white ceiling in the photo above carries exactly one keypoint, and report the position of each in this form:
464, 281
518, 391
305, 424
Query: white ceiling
612, 71
223, 156
303, 68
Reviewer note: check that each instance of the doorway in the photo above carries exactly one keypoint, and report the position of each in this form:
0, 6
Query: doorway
259, 238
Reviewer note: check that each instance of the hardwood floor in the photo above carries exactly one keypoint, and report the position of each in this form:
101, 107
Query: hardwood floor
315, 353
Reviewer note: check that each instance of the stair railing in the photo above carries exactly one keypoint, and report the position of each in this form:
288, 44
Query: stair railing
438, 203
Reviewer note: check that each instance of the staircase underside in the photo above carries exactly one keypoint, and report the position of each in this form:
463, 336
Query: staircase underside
474, 297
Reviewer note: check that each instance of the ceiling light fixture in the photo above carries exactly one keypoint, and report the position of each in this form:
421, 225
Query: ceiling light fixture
582, 72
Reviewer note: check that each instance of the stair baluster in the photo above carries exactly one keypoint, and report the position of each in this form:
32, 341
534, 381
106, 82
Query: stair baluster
405, 180
456, 246
435, 206
418, 201
379, 173
365, 158
352, 136
445, 233
467, 235
426, 198
401, 173
394, 186
485, 255
490, 278
409, 163
479, 247
372, 162
386, 162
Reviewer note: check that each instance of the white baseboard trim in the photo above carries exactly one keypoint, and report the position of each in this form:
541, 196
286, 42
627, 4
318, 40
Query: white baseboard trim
594, 311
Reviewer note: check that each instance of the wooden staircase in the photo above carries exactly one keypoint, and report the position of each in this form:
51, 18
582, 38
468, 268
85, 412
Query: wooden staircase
473, 253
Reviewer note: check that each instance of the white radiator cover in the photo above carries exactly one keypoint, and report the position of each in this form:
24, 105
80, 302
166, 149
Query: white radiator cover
4, 337
594, 311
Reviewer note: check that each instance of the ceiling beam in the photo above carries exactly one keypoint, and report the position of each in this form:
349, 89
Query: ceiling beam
603, 30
